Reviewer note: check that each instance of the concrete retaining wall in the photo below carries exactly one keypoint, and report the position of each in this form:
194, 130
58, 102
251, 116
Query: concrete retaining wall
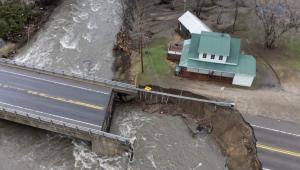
102, 143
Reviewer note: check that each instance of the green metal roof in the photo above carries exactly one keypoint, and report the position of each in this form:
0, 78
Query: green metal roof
214, 43
194, 45
235, 48
185, 53
246, 63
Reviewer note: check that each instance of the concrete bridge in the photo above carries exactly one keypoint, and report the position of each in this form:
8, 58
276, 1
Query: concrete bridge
75, 105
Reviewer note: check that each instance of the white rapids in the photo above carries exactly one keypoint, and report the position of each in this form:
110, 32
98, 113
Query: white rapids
79, 32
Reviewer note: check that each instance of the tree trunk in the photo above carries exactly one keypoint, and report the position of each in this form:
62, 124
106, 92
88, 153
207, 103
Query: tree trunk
236, 13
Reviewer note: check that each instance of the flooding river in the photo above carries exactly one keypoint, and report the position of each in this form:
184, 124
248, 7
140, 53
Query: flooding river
79, 38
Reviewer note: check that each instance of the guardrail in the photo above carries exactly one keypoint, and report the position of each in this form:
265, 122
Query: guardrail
111, 83
65, 124
168, 95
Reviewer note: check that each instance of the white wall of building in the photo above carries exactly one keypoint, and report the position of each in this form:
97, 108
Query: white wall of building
215, 60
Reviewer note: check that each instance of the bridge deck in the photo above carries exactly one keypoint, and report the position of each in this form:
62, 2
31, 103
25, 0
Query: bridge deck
67, 100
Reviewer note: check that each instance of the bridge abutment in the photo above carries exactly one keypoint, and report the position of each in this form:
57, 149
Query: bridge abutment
103, 144
108, 147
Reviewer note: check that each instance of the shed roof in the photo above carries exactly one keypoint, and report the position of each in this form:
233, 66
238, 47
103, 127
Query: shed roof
235, 50
193, 23
215, 43
247, 65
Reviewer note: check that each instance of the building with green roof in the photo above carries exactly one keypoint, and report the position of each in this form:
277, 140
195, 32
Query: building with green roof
217, 54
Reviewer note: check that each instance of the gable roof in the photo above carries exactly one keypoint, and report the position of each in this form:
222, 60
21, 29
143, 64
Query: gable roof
246, 66
193, 23
215, 43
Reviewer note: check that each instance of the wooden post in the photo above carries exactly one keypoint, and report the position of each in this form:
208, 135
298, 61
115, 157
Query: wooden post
142, 52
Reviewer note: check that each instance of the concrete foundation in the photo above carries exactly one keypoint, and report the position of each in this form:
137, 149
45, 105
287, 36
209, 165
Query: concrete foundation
108, 147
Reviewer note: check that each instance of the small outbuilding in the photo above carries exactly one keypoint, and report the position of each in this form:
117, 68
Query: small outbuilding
174, 51
189, 24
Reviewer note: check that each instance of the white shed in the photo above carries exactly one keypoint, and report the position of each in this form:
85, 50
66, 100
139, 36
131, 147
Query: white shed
189, 23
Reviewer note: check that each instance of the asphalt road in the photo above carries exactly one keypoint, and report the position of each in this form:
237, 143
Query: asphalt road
71, 101
278, 142
85, 104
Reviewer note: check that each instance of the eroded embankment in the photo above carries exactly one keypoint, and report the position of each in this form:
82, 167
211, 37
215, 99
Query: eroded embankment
228, 129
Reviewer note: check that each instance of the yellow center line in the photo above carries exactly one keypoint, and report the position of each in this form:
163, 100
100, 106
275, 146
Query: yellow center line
35, 93
278, 150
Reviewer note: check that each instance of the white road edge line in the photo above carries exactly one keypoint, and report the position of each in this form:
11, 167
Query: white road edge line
55, 82
19, 107
266, 169
274, 130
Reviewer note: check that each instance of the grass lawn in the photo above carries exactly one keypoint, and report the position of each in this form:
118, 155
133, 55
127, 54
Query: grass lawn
4, 51
156, 66
293, 48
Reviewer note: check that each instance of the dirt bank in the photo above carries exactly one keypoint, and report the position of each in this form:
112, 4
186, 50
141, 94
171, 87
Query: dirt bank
228, 129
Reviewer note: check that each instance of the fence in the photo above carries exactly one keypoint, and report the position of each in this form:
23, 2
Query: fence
113, 84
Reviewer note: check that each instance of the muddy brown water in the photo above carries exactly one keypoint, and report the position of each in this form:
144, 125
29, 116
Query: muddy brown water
79, 38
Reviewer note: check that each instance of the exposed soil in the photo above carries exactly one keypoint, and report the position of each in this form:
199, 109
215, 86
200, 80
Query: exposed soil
277, 69
229, 130
226, 126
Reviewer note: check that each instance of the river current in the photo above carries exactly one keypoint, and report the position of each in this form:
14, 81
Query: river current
79, 38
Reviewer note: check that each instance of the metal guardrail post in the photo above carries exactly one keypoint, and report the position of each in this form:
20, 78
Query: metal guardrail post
118, 85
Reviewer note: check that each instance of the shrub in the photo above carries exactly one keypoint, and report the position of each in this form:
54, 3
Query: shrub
13, 17
3, 28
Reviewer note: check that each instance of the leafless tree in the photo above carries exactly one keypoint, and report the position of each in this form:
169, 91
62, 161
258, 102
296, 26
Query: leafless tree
236, 13
220, 14
199, 7
126, 13
278, 17
131, 35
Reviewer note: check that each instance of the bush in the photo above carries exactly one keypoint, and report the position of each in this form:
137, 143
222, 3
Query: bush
3, 28
13, 17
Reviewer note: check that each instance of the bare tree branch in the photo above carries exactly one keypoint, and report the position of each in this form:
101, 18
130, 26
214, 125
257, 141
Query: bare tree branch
277, 17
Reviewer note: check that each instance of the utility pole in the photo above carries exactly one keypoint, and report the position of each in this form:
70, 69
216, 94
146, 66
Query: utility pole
140, 23
141, 52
